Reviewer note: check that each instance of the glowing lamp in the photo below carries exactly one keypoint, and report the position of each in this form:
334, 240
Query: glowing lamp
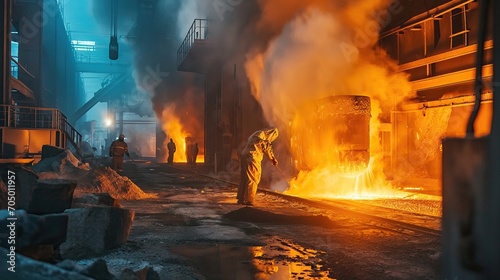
108, 122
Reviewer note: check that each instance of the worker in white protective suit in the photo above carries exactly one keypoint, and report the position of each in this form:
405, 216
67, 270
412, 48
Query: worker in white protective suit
251, 158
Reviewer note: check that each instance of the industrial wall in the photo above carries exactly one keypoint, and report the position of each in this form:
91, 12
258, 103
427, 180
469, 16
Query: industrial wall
437, 49
45, 52
241, 114
62, 87
433, 44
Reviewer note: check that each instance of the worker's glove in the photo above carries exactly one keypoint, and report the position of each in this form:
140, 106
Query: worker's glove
128, 154
275, 161
110, 155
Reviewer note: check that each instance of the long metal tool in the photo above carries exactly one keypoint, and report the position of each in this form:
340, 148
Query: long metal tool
281, 172
130, 158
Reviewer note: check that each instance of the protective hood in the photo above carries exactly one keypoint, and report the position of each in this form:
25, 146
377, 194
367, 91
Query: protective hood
270, 134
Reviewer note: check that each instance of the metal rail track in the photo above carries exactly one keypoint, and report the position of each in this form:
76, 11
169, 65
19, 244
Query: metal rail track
341, 207
374, 220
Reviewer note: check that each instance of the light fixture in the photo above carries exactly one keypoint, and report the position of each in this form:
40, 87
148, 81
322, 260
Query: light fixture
113, 48
108, 122
113, 42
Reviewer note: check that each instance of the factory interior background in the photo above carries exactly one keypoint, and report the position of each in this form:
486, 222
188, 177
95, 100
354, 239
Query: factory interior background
363, 93
155, 70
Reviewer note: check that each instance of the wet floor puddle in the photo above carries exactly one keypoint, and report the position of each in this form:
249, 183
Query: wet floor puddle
279, 259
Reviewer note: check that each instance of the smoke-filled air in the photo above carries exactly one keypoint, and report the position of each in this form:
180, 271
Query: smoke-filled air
312, 65
325, 49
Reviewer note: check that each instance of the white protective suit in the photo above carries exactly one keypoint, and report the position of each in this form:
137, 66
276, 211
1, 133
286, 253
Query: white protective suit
251, 157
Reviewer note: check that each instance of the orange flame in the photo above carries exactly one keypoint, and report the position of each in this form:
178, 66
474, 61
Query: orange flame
173, 129
314, 57
328, 175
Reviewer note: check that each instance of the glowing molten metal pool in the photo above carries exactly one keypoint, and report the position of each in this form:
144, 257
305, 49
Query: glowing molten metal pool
333, 131
330, 144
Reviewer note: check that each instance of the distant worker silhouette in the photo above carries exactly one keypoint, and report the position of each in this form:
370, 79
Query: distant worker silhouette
117, 150
251, 159
194, 153
189, 152
171, 150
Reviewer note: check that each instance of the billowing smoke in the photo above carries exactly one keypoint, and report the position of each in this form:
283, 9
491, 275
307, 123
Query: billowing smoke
293, 52
177, 97
322, 48
154, 35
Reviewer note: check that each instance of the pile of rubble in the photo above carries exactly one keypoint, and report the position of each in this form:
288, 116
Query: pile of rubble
89, 180
66, 210
106, 180
63, 163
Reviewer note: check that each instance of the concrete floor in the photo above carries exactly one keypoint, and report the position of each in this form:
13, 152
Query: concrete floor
185, 234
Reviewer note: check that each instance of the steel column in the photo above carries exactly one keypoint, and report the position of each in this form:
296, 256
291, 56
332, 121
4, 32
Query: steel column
493, 190
6, 45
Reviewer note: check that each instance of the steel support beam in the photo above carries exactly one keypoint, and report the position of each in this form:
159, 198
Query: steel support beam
472, 49
31, 35
450, 78
6, 45
99, 96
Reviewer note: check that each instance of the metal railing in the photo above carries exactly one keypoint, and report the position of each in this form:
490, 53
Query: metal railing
22, 74
197, 31
39, 118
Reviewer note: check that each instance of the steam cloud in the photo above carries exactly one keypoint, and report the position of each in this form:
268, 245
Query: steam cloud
293, 52
322, 48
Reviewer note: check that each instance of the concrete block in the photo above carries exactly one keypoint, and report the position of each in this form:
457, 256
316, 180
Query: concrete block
33, 230
50, 151
39, 252
99, 270
94, 230
52, 196
26, 184
94, 199
64, 163
26, 268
